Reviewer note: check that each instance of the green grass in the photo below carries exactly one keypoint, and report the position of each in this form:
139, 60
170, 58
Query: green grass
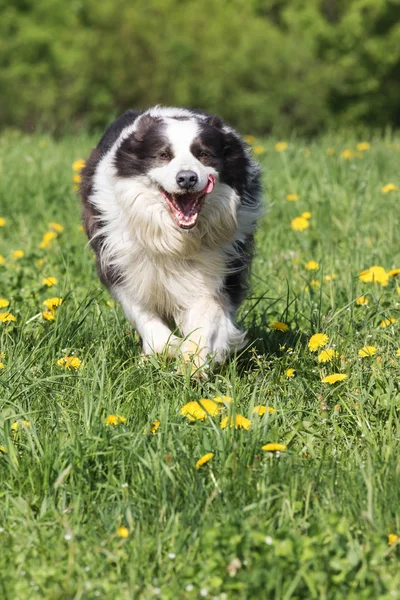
309, 523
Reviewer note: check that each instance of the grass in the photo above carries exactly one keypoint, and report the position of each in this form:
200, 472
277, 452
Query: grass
311, 522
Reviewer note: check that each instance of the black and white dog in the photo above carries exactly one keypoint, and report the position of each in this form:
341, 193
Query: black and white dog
171, 199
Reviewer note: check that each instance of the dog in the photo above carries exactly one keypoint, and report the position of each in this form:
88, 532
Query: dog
171, 198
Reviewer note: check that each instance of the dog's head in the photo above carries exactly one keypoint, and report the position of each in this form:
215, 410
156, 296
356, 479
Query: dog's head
186, 161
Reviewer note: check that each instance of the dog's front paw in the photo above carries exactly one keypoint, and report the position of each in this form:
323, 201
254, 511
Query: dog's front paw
193, 360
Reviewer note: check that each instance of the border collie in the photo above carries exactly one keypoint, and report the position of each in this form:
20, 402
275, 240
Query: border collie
171, 199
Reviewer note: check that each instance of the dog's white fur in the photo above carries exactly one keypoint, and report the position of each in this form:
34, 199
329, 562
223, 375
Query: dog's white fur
170, 272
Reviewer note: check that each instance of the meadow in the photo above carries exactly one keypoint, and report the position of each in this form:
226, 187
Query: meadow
298, 496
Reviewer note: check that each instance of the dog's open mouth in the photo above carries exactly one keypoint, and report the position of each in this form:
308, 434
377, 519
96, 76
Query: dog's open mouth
185, 208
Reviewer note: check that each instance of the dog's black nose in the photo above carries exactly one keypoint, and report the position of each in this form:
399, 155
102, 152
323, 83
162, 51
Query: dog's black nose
186, 179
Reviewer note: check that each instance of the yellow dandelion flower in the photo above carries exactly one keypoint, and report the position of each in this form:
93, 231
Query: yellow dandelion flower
312, 265
52, 303
18, 254
388, 322
279, 326
292, 197
299, 224
392, 539
362, 301
1, 365
4, 303
1, 259
239, 422
50, 281
290, 373
330, 151
17, 424
3, 450
223, 399
123, 532
393, 272
258, 149
363, 146
327, 355
2, 222
77, 179
261, 410
367, 351
316, 341
398, 352
200, 409
272, 447
49, 315
375, 274
347, 154
249, 139
330, 277
48, 237
281, 146
56, 226
154, 427
306, 215
315, 283
204, 459
78, 165
6, 317
389, 187
115, 420
69, 362
331, 379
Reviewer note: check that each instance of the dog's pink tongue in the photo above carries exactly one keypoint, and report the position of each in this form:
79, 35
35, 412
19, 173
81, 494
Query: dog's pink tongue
210, 184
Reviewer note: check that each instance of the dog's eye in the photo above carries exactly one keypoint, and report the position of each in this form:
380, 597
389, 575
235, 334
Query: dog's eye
164, 155
204, 154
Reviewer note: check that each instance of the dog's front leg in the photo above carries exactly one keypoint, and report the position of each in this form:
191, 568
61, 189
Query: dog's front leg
209, 330
155, 335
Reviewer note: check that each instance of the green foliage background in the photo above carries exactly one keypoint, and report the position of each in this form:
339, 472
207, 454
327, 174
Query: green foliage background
264, 64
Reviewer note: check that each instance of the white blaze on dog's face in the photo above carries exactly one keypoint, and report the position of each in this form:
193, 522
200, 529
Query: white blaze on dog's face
182, 158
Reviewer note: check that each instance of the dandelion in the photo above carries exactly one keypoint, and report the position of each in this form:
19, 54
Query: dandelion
3, 450
312, 265
48, 237
292, 197
375, 274
2, 222
115, 420
69, 362
272, 447
393, 272
1, 365
49, 315
362, 301
49, 281
7, 317
330, 277
261, 410
17, 254
331, 379
392, 539
52, 303
315, 283
281, 146
306, 215
249, 139
123, 532
389, 187
77, 179
398, 352
239, 422
17, 424
388, 322
56, 226
290, 373
316, 341
204, 459
279, 326
363, 146
347, 154
299, 224
1, 259
367, 351
327, 355
154, 427
4, 303
258, 149
223, 399
200, 409
78, 165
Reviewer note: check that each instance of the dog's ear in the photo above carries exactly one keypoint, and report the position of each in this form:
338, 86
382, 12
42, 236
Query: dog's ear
144, 124
215, 121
